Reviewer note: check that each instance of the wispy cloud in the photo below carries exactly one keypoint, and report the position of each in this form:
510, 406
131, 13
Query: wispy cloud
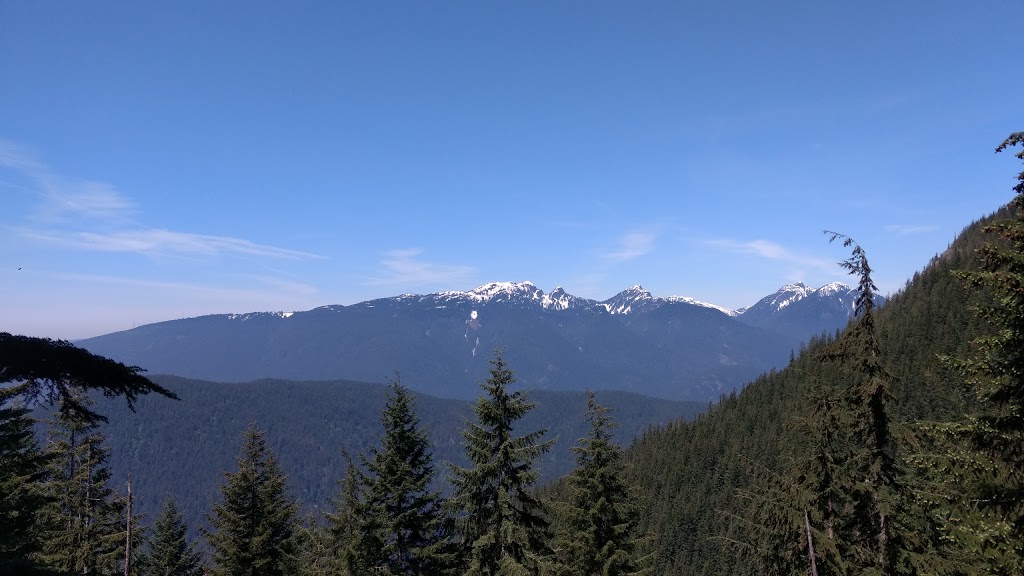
905, 229
155, 241
96, 216
223, 293
60, 199
632, 245
403, 267
772, 251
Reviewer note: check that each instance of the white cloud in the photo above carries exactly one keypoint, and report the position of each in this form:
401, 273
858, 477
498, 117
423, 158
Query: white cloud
95, 216
773, 251
904, 229
155, 241
222, 293
402, 267
632, 245
65, 200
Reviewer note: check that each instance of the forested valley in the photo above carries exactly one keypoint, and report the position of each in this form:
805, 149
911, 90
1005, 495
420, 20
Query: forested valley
893, 447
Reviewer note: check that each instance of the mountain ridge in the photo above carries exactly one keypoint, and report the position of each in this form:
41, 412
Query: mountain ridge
674, 347
558, 299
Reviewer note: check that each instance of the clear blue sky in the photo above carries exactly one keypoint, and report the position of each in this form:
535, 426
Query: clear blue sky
170, 159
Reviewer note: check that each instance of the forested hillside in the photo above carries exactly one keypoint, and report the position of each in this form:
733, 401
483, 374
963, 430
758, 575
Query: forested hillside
700, 479
183, 447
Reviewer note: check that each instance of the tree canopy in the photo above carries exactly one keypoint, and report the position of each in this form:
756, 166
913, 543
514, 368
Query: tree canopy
57, 372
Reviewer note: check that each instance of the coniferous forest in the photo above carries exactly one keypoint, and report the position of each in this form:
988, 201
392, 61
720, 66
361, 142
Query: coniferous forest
893, 447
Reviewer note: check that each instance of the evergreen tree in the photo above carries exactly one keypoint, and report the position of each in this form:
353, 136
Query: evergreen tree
795, 521
873, 473
61, 374
997, 373
84, 520
347, 526
598, 534
253, 523
22, 471
404, 519
503, 525
170, 553
312, 550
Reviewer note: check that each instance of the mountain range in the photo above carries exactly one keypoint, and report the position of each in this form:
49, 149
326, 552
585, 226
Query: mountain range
669, 347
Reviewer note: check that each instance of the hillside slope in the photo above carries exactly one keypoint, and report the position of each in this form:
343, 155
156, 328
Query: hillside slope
689, 472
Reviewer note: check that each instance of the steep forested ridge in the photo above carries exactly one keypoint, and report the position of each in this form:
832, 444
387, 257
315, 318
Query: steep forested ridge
694, 475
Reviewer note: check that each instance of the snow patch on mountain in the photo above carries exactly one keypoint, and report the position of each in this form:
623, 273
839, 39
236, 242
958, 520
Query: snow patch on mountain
559, 299
496, 291
792, 293
251, 315
695, 302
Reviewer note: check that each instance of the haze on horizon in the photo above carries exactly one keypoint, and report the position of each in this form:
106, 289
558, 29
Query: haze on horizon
164, 161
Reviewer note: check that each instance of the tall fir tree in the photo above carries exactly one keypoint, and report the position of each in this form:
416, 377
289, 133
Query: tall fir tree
253, 523
404, 518
502, 524
169, 551
598, 535
84, 519
996, 371
22, 472
873, 475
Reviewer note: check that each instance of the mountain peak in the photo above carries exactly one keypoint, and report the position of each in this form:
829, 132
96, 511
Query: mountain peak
629, 300
559, 299
833, 288
501, 291
795, 292
795, 287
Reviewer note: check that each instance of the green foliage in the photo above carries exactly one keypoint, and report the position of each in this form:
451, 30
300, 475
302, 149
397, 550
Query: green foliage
169, 552
61, 373
346, 526
253, 523
761, 445
181, 447
872, 476
404, 527
83, 520
995, 437
312, 550
503, 525
22, 471
62, 517
840, 505
598, 535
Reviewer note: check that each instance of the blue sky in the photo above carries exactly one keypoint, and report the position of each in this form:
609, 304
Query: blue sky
168, 159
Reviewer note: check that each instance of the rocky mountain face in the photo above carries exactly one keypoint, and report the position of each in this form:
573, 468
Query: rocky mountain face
674, 347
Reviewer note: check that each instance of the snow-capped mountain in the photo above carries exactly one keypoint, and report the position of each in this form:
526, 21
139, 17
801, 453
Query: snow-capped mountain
630, 300
673, 347
498, 292
799, 310
634, 299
